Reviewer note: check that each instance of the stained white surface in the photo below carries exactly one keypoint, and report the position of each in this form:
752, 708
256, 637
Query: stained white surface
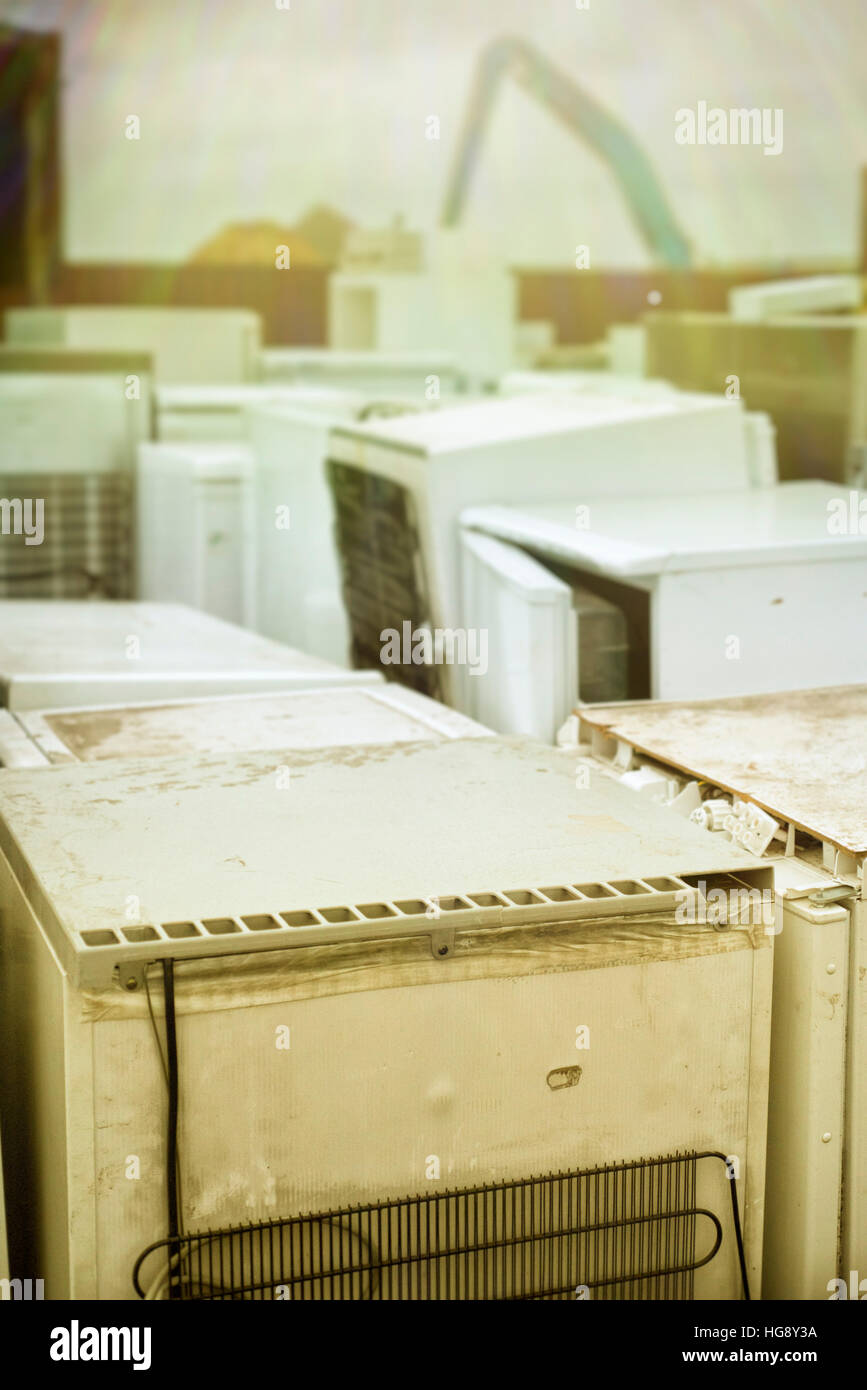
212, 835
802, 755
323, 718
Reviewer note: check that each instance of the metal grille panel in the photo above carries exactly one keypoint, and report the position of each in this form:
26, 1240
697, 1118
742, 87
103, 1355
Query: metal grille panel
629, 1231
384, 584
87, 546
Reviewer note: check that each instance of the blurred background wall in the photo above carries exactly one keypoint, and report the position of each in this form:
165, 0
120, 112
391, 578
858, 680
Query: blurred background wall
252, 116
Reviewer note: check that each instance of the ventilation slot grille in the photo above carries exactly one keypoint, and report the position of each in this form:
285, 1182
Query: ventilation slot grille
560, 901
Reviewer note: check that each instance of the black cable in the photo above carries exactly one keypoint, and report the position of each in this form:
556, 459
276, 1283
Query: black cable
736, 1220
164, 1068
172, 1128
739, 1240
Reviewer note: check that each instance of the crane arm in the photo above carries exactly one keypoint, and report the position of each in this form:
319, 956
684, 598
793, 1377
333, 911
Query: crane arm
586, 119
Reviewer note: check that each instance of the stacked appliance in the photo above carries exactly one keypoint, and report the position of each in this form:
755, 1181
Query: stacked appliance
187, 345
785, 773
194, 414
761, 432
70, 424
59, 654
411, 375
248, 1055
722, 593
194, 521
399, 487
460, 301
808, 371
213, 492
297, 596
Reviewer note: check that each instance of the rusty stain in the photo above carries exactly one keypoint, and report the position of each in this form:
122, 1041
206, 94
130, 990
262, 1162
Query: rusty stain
833, 1000
795, 754
604, 823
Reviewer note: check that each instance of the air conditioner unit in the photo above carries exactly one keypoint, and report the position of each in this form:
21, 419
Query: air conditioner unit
433, 1029
297, 592
723, 593
399, 487
197, 413
188, 345
70, 424
195, 527
788, 769
808, 371
329, 717
409, 375
545, 638
59, 654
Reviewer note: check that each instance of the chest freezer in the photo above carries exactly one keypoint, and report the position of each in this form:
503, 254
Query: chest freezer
399, 487
324, 718
64, 653
195, 527
188, 345
795, 762
435, 1028
724, 593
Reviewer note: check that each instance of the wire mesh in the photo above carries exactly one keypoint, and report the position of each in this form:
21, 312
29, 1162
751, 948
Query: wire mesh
384, 584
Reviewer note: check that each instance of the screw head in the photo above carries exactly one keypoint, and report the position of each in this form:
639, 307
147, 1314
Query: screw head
130, 983
826, 1138
442, 950
830, 968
